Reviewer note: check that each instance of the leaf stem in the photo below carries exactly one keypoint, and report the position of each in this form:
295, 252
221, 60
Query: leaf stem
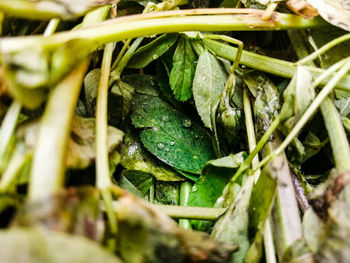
185, 190
51, 27
188, 212
48, 167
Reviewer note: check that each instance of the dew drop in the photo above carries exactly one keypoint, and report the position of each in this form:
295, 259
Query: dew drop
167, 149
165, 118
160, 146
194, 189
186, 123
155, 56
172, 143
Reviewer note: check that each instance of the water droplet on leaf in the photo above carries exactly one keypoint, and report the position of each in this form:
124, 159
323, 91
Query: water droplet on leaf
186, 123
160, 146
172, 143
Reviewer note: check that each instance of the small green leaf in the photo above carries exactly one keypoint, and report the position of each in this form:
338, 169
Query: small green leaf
152, 51
167, 193
182, 72
216, 174
209, 81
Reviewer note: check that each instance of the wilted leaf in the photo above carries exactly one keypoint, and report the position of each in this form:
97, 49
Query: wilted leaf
33, 246
46, 9
302, 8
147, 235
336, 12
208, 84
233, 226
152, 51
81, 146
182, 72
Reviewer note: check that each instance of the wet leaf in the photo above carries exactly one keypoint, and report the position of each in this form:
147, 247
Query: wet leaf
209, 81
182, 72
33, 246
152, 51
173, 137
135, 157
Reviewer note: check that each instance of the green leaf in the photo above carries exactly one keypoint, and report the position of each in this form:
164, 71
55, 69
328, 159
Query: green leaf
135, 157
182, 72
173, 137
216, 174
152, 51
32, 246
209, 81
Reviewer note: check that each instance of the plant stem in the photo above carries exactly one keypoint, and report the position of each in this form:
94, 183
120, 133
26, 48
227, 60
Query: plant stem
48, 167
51, 27
115, 74
270, 65
136, 26
103, 180
7, 128
121, 53
185, 190
187, 212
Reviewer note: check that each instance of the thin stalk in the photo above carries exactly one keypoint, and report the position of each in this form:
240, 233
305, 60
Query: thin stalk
115, 74
17, 162
268, 239
116, 30
309, 112
249, 123
151, 193
121, 53
273, 66
51, 27
324, 49
103, 180
188, 212
185, 190
7, 128
48, 167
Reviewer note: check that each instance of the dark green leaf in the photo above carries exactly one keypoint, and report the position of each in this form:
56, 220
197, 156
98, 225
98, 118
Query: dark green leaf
173, 137
182, 72
152, 51
167, 193
209, 81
